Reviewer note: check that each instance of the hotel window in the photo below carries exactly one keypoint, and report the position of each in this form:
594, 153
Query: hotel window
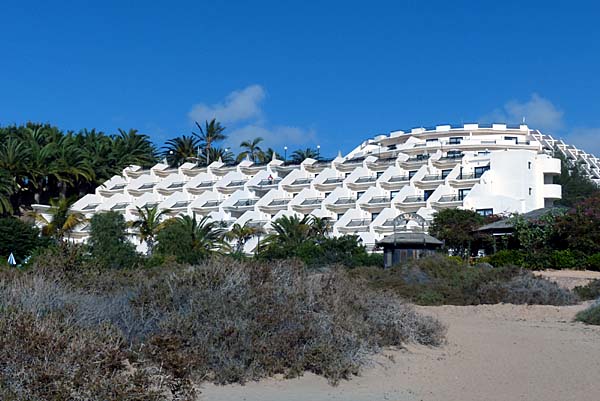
348, 175
485, 212
379, 174
480, 170
431, 140
511, 138
393, 194
462, 193
340, 215
374, 216
327, 194
359, 194
411, 174
455, 140
427, 194
529, 190
446, 172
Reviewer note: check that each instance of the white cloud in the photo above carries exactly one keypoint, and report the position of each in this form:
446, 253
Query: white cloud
584, 138
242, 113
238, 106
539, 113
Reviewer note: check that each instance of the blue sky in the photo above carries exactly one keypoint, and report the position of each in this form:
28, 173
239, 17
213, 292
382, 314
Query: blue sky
302, 73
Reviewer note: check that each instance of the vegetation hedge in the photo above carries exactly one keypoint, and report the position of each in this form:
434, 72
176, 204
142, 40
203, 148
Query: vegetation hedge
74, 332
440, 280
591, 315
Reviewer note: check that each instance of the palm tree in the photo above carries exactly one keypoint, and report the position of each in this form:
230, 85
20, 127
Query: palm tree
321, 226
251, 150
178, 150
242, 234
63, 220
6, 190
267, 156
290, 231
205, 235
217, 153
211, 133
132, 148
301, 154
149, 224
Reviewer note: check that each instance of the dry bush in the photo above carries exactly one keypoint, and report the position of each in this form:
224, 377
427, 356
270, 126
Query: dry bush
73, 333
591, 315
526, 288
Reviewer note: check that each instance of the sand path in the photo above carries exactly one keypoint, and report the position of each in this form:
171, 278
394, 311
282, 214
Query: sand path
494, 352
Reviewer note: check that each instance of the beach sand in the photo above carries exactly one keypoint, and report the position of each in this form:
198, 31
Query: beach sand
494, 352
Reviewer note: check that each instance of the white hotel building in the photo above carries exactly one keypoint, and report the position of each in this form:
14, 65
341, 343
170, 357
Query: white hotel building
492, 169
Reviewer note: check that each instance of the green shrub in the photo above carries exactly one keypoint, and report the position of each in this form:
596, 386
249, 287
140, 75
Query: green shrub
19, 238
444, 280
507, 257
589, 291
108, 241
591, 315
563, 259
593, 262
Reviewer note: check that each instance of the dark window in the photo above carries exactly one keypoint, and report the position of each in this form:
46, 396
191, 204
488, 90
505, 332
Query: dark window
374, 216
431, 140
455, 140
348, 174
462, 193
393, 194
445, 173
529, 165
427, 194
339, 216
529, 190
327, 194
379, 174
485, 212
411, 174
480, 170
511, 138
359, 194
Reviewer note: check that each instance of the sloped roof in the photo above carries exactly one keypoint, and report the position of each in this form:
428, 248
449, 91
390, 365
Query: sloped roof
506, 224
410, 238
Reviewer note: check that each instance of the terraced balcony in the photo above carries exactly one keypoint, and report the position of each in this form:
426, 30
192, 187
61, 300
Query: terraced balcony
376, 203
431, 181
362, 183
201, 187
232, 186
415, 162
265, 185
355, 225
241, 205
275, 205
208, 206
329, 184
297, 185
308, 205
447, 201
341, 204
395, 183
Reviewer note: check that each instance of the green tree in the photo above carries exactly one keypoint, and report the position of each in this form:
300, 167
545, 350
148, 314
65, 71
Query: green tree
575, 183
241, 234
579, 228
298, 156
211, 133
178, 150
251, 150
149, 224
62, 219
19, 238
108, 242
455, 227
188, 239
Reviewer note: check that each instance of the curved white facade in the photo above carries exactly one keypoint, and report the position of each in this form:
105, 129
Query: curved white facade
491, 169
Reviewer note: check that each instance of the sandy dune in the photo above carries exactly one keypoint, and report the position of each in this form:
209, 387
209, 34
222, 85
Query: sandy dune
494, 352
